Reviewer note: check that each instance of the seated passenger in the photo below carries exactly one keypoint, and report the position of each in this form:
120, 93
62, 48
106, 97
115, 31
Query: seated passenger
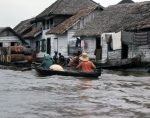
55, 58
74, 60
61, 59
47, 62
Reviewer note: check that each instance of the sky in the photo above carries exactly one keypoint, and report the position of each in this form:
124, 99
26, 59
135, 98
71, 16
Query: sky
14, 11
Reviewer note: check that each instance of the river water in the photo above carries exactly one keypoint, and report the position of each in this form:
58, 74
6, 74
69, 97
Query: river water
114, 94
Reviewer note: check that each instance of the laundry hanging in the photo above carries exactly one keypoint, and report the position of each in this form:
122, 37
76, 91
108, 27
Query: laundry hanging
102, 38
106, 37
116, 41
78, 43
141, 38
127, 37
82, 45
149, 37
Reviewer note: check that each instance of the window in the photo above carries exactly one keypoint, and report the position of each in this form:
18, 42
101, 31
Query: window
7, 32
48, 45
47, 24
43, 45
37, 46
12, 44
1, 45
51, 21
35, 24
43, 25
76, 26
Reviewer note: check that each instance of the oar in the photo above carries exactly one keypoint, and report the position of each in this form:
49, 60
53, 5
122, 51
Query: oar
25, 69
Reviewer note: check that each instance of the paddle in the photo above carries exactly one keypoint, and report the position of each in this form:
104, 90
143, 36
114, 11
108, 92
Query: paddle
26, 69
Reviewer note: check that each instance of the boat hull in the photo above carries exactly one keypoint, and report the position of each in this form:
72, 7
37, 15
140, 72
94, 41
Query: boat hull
69, 73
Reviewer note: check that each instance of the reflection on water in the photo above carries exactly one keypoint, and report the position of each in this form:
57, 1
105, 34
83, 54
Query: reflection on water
115, 94
85, 83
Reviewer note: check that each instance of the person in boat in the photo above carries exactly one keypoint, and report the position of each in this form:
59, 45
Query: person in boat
78, 53
47, 62
61, 59
74, 60
55, 57
86, 65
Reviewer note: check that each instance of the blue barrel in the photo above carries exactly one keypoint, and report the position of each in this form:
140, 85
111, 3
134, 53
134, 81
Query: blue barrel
27, 51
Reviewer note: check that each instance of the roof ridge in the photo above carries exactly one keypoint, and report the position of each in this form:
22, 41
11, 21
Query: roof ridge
73, 18
55, 6
125, 1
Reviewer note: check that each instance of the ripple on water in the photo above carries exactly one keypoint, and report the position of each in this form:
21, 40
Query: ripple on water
113, 95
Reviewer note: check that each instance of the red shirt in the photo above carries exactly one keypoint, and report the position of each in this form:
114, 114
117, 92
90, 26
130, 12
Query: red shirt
86, 66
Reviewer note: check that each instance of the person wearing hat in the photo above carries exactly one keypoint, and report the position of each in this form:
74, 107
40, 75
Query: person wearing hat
85, 64
47, 62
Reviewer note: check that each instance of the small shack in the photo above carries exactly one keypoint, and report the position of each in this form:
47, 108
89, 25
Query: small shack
8, 37
11, 47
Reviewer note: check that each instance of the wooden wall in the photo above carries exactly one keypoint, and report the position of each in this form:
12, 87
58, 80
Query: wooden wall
90, 46
136, 50
114, 57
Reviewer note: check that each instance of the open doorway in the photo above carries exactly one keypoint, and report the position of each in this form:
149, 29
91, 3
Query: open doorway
48, 45
124, 53
1, 45
98, 50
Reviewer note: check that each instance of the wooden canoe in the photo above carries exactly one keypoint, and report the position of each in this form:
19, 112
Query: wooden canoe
16, 64
137, 69
68, 73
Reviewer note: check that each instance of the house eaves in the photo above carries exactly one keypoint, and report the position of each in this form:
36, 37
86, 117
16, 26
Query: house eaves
64, 26
38, 33
33, 33
128, 17
23, 26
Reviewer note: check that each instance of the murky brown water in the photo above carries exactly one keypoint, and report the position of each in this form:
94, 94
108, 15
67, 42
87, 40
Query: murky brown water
113, 95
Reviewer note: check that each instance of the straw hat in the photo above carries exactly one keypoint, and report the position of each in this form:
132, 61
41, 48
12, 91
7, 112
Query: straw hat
84, 57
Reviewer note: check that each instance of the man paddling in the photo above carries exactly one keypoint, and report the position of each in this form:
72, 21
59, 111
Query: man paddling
85, 64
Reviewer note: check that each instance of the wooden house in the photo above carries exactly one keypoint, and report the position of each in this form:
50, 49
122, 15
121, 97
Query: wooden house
27, 30
60, 21
127, 18
30, 32
8, 37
